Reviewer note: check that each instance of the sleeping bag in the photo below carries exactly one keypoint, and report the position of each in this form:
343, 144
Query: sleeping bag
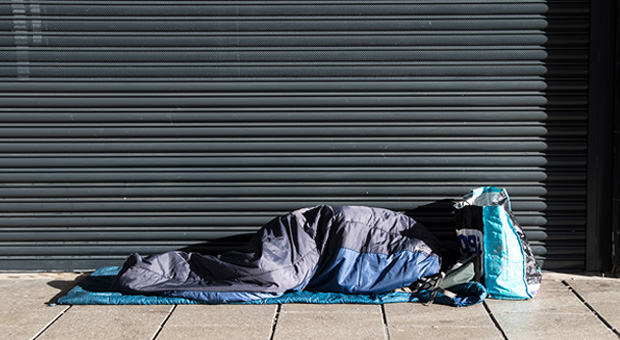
349, 249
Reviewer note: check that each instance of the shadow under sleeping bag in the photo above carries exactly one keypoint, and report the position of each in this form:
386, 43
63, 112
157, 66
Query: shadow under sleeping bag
349, 249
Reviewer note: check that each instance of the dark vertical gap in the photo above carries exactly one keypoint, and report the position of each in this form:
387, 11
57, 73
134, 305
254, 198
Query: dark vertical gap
600, 135
616, 166
564, 223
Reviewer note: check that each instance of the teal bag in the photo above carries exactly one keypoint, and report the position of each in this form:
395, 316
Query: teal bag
485, 224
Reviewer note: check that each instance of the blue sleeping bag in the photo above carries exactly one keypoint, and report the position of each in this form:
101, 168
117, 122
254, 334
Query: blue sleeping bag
349, 249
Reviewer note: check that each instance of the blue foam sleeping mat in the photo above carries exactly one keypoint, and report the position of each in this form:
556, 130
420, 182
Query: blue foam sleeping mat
95, 290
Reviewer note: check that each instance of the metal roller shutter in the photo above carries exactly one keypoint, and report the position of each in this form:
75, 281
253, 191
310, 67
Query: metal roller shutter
146, 126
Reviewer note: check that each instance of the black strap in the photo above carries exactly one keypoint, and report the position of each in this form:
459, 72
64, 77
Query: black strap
436, 289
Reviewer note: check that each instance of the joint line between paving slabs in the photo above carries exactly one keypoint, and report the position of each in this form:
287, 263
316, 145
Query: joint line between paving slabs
274, 322
49, 324
495, 322
163, 323
386, 330
599, 316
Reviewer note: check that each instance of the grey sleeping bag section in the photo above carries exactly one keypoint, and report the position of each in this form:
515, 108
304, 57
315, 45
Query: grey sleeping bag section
349, 249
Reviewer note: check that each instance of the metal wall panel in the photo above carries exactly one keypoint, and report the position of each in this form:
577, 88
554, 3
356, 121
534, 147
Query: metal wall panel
145, 126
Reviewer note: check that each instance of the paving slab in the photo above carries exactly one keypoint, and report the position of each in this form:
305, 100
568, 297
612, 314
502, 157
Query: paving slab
602, 294
554, 297
555, 313
306, 321
108, 322
24, 311
219, 322
416, 321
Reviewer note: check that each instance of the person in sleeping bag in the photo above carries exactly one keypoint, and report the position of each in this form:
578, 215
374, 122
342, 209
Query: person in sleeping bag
347, 249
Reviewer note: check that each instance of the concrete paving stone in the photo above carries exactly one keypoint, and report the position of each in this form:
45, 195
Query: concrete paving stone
555, 313
603, 295
553, 326
416, 321
26, 322
307, 321
23, 308
34, 288
108, 322
553, 297
219, 322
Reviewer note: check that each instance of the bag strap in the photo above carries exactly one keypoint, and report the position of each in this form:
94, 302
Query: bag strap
464, 270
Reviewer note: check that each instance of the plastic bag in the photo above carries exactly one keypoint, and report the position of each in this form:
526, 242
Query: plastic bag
485, 224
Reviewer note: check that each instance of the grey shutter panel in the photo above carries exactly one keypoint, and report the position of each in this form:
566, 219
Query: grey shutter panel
146, 126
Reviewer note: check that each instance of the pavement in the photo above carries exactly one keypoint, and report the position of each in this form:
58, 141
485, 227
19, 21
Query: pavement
568, 306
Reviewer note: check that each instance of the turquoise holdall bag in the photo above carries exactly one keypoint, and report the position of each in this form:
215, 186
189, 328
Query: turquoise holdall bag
485, 224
